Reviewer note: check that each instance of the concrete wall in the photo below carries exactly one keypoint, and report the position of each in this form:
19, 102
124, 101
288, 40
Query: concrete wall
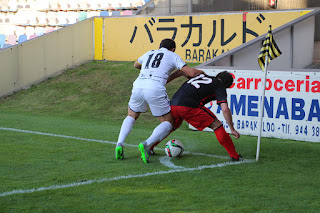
303, 45
35, 60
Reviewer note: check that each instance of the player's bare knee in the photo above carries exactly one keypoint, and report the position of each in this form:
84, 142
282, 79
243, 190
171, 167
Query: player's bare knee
167, 117
133, 114
215, 124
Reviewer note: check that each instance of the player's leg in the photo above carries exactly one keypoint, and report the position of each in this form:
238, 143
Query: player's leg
175, 111
158, 134
137, 104
127, 125
160, 107
224, 139
126, 128
162, 130
201, 118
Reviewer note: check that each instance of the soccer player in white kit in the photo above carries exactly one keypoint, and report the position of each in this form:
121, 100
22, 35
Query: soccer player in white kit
149, 90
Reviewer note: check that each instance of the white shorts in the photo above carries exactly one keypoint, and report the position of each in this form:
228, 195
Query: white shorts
157, 100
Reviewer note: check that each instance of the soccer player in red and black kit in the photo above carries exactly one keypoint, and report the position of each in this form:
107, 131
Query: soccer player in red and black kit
188, 104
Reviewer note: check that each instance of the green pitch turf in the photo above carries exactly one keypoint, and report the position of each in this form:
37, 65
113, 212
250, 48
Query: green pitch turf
57, 144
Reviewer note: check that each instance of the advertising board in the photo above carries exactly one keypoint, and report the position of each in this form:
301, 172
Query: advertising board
199, 37
291, 109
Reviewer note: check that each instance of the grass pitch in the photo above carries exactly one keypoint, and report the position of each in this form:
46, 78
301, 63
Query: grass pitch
64, 161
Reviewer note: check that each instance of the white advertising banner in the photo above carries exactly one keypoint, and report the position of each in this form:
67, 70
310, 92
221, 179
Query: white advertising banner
291, 109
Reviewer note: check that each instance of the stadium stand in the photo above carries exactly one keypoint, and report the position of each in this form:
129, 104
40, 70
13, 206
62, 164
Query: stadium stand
72, 17
127, 12
41, 5
2, 17
104, 13
32, 36
73, 5
54, 5
6, 46
116, 13
92, 14
39, 31
34, 17
12, 6
49, 30
30, 31
22, 38
31, 4
20, 30
22, 17
62, 18
12, 39
41, 18
52, 18
82, 16
2, 40
4, 7
9, 30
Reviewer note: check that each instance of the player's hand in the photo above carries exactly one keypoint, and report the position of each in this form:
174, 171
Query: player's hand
235, 133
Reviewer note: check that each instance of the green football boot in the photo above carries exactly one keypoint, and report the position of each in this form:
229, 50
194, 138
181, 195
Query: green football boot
119, 152
144, 154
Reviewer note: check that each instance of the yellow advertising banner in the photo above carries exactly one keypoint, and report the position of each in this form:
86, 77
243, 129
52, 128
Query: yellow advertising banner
198, 37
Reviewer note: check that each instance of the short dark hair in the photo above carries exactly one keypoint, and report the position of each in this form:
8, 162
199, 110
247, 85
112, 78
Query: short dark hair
168, 43
226, 78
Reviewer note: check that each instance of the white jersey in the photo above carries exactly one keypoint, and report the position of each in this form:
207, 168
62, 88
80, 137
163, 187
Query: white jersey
156, 67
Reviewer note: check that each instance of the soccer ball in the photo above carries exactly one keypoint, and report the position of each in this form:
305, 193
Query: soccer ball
174, 148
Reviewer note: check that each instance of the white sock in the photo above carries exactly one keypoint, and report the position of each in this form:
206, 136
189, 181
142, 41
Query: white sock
126, 128
159, 133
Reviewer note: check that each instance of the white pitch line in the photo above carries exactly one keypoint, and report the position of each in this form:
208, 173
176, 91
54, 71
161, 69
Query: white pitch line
173, 167
59, 136
25, 191
99, 141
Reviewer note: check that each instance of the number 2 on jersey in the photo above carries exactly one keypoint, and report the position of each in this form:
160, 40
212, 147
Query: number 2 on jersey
200, 79
156, 61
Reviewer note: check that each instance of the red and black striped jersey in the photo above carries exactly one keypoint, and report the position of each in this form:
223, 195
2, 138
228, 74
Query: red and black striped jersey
198, 91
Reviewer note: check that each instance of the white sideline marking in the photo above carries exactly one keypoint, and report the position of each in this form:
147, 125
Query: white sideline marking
99, 141
59, 136
21, 191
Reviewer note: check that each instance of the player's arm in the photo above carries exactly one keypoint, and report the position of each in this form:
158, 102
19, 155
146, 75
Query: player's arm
176, 74
137, 65
191, 72
228, 117
186, 71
